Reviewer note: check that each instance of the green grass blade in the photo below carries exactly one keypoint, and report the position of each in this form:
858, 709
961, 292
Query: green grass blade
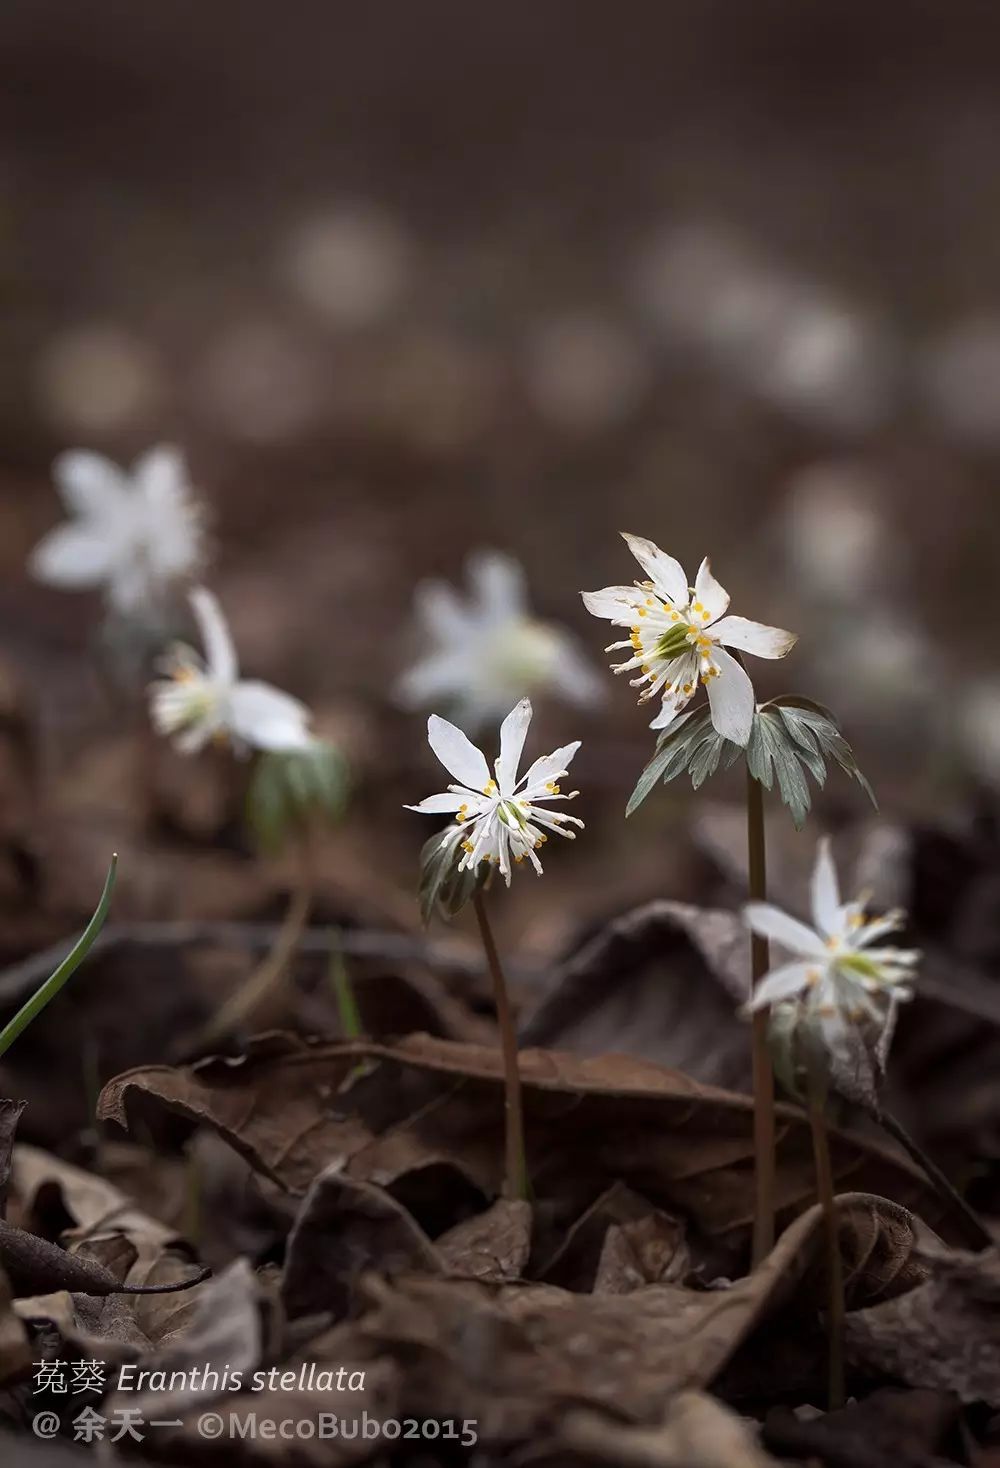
47, 991
347, 1004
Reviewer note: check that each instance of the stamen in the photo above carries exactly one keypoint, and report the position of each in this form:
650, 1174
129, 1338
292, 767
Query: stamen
490, 787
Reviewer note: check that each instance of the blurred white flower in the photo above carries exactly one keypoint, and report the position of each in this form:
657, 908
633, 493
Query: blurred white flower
486, 650
977, 721
132, 533
501, 816
679, 634
584, 373
350, 264
960, 377
837, 976
205, 698
837, 540
98, 378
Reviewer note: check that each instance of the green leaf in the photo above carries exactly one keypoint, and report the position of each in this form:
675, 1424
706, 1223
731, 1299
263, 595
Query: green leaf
443, 888
292, 790
790, 737
47, 991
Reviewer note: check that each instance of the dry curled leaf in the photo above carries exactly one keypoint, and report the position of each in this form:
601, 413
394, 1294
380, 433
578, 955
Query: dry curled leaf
945, 1334
343, 1228
293, 1109
697, 1432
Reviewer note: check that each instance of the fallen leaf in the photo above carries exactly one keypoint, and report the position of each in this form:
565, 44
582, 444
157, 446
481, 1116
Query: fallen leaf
619, 1242
293, 1109
697, 1432
492, 1246
889, 1429
343, 1228
945, 1334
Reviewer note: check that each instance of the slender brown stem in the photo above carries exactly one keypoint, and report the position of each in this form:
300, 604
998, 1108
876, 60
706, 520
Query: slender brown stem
516, 1183
834, 1273
763, 1076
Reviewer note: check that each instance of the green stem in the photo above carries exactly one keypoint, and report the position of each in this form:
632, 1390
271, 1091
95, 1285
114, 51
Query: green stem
834, 1272
763, 1075
33, 1007
515, 1169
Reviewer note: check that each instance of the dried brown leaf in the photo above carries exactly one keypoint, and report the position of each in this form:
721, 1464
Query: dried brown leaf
293, 1109
491, 1246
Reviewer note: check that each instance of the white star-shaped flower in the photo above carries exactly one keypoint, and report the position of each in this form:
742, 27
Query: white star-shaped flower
838, 975
679, 636
500, 818
486, 650
205, 698
133, 532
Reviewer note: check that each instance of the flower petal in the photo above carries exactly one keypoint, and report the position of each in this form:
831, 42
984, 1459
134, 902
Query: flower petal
667, 574
548, 767
220, 654
267, 718
768, 921
616, 603
443, 613
457, 753
731, 698
160, 474
512, 735
73, 555
781, 983
90, 485
498, 583
825, 889
712, 597
435, 805
441, 675
754, 637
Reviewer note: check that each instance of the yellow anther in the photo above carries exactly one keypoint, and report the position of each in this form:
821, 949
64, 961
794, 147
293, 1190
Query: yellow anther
689, 688
466, 846
675, 616
813, 977
706, 615
650, 602
552, 787
698, 607
643, 612
518, 860
490, 787
645, 668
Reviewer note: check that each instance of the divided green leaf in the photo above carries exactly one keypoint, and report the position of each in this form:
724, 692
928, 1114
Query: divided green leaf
790, 736
292, 790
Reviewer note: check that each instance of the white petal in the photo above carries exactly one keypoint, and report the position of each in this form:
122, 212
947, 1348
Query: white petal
90, 485
499, 584
573, 676
513, 731
220, 654
442, 612
441, 675
781, 983
709, 593
826, 892
73, 555
668, 574
457, 753
731, 698
267, 718
754, 637
440, 804
768, 921
549, 767
160, 474
616, 603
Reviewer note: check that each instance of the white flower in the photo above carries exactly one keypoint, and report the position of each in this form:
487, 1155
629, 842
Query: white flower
837, 976
131, 532
486, 650
679, 634
206, 699
500, 816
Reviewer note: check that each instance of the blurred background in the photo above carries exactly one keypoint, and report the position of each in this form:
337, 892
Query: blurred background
409, 281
